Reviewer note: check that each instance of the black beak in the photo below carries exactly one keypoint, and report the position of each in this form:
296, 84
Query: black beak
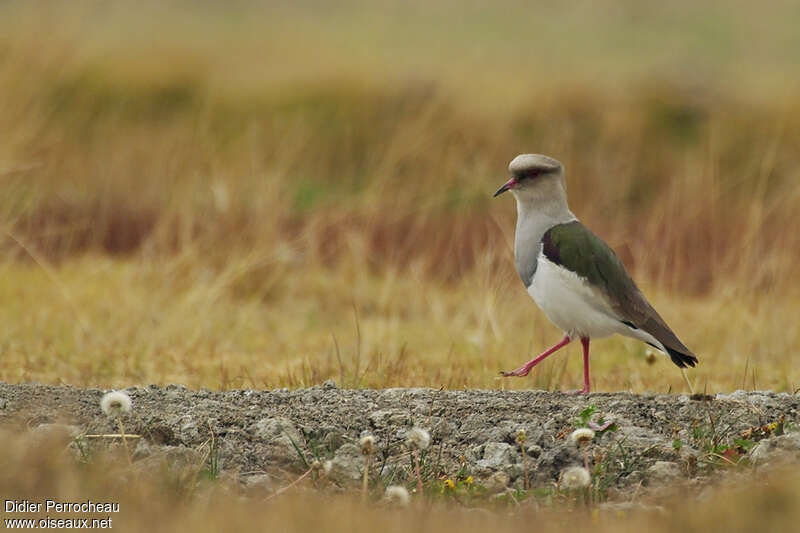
506, 186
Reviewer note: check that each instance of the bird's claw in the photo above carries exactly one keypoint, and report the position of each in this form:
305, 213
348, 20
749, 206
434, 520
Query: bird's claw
518, 373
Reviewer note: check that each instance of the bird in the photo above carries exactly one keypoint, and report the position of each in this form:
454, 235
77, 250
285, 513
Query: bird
574, 277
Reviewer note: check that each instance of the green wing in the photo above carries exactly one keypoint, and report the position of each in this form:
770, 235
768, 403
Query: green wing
574, 247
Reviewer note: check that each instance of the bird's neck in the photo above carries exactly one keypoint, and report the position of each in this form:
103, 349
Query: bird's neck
534, 218
536, 215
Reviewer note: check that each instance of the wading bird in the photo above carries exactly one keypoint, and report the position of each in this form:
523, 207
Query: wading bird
572, 275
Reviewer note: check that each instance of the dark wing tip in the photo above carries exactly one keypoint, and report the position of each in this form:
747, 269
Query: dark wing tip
682, 359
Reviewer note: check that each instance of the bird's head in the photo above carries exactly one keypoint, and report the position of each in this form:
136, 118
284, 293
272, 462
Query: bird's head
534, 177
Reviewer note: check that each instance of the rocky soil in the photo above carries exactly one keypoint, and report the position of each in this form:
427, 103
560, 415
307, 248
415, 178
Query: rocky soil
264, 438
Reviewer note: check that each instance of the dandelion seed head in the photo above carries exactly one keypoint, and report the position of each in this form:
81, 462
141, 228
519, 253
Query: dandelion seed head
575, 477
418, 438
367, 444
582, 436
116, 403
397, 494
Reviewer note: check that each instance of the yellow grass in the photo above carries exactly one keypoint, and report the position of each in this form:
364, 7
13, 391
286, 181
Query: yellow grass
111, 323
265, 197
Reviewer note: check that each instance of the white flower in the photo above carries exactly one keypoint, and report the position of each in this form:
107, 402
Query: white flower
582, 436
398, 494
367, 443
115, 403
418, 438
575, 477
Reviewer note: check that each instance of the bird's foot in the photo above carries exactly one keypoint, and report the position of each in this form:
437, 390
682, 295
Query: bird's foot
521, 372
577, 392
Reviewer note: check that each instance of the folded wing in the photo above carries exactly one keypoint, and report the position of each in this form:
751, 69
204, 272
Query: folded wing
575, 247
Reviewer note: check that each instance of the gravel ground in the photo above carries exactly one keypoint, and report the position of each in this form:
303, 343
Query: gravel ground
259, 436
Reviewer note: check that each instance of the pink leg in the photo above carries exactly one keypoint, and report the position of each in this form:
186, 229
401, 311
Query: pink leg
585, 343
524, 369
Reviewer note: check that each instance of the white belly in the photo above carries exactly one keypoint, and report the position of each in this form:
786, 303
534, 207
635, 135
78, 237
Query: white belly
571, 303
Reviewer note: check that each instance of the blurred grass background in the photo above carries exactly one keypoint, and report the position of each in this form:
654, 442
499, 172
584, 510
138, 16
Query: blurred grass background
274, 194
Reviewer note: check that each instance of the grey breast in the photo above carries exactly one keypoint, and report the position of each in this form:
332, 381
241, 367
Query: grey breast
526, 265
527, 247
528, 244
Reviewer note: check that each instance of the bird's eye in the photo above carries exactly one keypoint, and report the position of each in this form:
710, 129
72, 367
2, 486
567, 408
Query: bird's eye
532, 173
